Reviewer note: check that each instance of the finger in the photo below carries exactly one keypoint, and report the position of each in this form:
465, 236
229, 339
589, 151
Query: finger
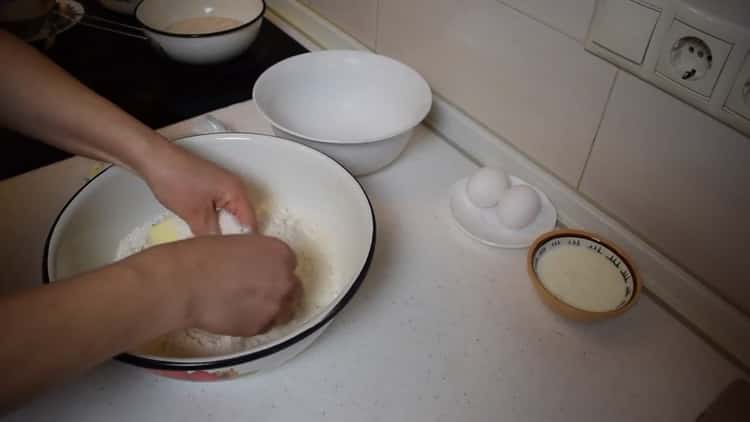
267, 325
288, 255
290, 303
205, 222
240, 207
285, 314
249, 328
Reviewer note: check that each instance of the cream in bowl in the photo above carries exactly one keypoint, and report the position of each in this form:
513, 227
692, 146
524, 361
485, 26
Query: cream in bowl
582, 276
201, 31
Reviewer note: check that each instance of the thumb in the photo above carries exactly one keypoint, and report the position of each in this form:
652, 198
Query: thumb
205, 222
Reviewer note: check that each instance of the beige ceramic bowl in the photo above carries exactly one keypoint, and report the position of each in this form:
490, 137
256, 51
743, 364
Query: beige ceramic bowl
579, 238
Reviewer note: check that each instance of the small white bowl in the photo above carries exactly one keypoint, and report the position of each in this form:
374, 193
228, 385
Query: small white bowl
356, 106
90, 227
157, 16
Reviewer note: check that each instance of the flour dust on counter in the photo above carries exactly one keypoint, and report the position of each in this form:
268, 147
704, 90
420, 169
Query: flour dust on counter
317, 276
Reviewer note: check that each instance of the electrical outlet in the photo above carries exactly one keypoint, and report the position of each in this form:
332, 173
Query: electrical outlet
692, 49
739, 97
692, 58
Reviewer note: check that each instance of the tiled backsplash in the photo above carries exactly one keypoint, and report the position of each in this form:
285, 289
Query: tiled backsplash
676, 176
520, 78
357, 17
571, 17
679, 178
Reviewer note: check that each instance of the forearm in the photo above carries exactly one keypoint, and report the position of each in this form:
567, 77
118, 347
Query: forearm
41, 100
52, 332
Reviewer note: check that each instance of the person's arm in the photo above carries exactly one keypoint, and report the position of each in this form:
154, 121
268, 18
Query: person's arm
41, 100
53, 332
236, 285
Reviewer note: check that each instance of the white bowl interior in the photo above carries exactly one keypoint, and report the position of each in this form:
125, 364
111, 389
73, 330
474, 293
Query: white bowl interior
342, 96
160, 14
304, 181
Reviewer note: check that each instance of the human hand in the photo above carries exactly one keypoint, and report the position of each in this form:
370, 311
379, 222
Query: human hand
194, 188
235, 285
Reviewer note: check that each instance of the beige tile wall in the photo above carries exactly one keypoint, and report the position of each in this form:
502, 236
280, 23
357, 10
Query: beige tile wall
521, 79
680, 178
570, 17
676, 176
357, 17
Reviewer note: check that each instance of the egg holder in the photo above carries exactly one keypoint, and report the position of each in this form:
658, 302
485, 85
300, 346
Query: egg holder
482, 224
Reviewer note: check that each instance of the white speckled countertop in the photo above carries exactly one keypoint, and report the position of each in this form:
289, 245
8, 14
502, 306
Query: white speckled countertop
442, 329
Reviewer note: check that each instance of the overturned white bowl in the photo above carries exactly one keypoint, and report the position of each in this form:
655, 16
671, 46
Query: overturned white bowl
157, 16
88, 230
358, 107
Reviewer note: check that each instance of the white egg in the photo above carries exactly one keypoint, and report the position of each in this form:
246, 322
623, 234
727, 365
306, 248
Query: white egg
486, 186
518, 207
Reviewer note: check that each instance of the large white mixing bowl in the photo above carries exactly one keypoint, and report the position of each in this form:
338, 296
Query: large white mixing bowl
358, 107
87, 232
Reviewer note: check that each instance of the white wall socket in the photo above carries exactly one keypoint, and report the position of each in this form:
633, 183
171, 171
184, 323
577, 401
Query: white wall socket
697, 50
739, 97
692, 58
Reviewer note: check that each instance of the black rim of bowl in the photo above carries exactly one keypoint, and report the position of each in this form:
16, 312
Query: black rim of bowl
202, 35
235, 360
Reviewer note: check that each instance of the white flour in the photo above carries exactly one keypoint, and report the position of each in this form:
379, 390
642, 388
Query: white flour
313, 269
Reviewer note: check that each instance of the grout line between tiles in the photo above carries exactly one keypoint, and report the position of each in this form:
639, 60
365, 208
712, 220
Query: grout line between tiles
596, 132
377, 25
534, 18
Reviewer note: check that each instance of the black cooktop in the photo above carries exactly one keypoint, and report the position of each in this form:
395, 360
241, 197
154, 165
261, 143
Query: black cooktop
153, 88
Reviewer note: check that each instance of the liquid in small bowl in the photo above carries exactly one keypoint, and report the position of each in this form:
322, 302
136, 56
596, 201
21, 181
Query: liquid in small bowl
581, 276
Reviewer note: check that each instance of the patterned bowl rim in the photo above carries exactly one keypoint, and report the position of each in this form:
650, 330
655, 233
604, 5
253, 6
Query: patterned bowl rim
565, 307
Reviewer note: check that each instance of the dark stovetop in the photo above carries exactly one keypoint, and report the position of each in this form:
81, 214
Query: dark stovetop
154, 89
